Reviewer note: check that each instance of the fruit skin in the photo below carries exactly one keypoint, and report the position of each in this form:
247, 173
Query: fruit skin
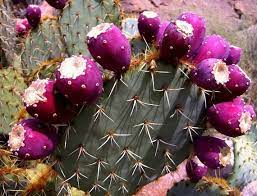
43, 102
31, 139
22, 26
109, 47
213, 46
198, 24
148, 25
176, 41
212, 152
231, 118
57, 4
160, 33
234, 55
85, 86
196, 169
33, 14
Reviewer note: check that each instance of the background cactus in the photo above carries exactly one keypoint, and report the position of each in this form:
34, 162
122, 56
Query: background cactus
140, 128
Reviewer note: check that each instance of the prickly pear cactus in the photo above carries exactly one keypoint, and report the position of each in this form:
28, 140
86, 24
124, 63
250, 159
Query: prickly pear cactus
137, 131
12, 86
205, 187
47, 35
80, 16
141, 127
245, 170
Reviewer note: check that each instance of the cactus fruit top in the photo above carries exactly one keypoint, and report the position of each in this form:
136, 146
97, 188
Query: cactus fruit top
195, 169
31, 139
79, 79
234, 55
230, 118
213, 152
109, 47
33, 14
43, 102
213, 46
198, 24
58, 4
148, 25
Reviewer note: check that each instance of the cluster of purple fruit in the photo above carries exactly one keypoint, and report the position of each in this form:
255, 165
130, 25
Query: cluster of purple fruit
214, 68
213, 63
33, 15
78, 81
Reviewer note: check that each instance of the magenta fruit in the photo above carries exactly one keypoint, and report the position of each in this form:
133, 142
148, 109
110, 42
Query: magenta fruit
196, 169
33, 14
160, 33
22, 26
148, 25
214, 46
198, 24
176, 41
213, 74
210, 74
79, 79
212, 152
57, 4
43, 102
109, 47
238, 83
31, 139
234, 55
231, 118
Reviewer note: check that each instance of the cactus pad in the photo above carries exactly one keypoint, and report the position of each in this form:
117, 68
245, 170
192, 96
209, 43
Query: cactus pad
135, 133
12, 85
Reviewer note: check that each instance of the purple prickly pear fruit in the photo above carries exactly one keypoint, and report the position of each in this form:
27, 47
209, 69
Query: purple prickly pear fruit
57, 4
31, 139
214, 46
148, 25
79, 79
176, 41
210, 74
212, 152
231, 118
109, 47
238, 82
33, 14
160, 34
43, 102
196, 169
198, 24
22, 26
234, 55
228, 169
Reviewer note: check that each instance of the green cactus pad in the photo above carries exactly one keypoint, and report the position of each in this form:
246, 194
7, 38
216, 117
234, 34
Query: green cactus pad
43, 44
8, 39
12, 85
196, 189
245, 167
127, 139
80, 16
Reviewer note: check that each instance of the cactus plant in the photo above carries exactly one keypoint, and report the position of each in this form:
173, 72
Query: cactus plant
142, 125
